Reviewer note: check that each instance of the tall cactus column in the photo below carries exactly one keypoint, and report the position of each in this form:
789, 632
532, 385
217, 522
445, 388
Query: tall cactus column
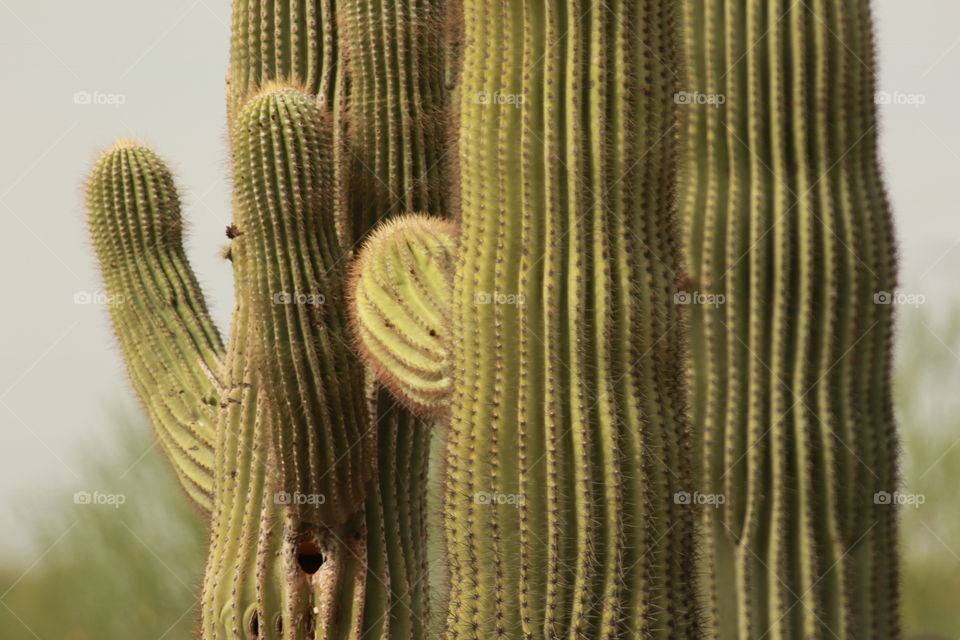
567, 346
561, 361
787, 226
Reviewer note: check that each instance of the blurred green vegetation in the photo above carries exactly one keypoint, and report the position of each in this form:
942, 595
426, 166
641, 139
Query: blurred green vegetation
928, 407
109, 572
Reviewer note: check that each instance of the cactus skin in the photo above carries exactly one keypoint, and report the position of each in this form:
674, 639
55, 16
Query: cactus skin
400, 305
567, 348
786, 216
574, 398
303, 368
172, 349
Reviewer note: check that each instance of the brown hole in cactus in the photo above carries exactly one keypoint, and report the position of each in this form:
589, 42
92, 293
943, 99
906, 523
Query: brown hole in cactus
255, 625
278, 624
309, 557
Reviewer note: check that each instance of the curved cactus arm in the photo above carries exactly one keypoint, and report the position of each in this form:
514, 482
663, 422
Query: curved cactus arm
304, 364
171, 347
400, 308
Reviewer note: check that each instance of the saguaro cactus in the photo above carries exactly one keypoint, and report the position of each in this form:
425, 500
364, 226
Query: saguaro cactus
567, 439
315, 481
789, 234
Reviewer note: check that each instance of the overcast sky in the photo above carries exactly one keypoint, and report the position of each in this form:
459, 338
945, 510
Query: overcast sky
76, 75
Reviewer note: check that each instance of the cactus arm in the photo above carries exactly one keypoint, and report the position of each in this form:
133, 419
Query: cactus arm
571, 395
304, 366
787, 217
171, 347
400, 304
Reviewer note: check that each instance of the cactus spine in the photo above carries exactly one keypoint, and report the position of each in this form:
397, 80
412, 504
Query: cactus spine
786, 217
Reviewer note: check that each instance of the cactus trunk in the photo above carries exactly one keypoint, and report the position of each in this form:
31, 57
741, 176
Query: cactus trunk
568, 439
788, 228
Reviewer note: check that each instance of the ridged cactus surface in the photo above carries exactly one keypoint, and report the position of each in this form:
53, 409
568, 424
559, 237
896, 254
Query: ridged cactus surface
401, 305
788, 228
567, 438
172, 349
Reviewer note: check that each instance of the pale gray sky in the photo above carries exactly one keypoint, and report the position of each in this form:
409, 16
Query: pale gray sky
61, 377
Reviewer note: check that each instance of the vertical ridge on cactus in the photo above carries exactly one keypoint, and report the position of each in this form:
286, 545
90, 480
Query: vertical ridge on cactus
786, 218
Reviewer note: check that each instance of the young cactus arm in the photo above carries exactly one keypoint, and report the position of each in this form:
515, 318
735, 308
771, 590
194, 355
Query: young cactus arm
305, 369
170, 345
400, 307
789, 230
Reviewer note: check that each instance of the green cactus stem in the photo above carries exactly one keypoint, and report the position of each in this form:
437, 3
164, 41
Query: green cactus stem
171, 347
567, 440
293, 288
401, 308
788, 229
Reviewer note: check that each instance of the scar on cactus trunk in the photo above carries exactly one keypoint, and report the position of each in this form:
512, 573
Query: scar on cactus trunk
567, 438
787, 223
